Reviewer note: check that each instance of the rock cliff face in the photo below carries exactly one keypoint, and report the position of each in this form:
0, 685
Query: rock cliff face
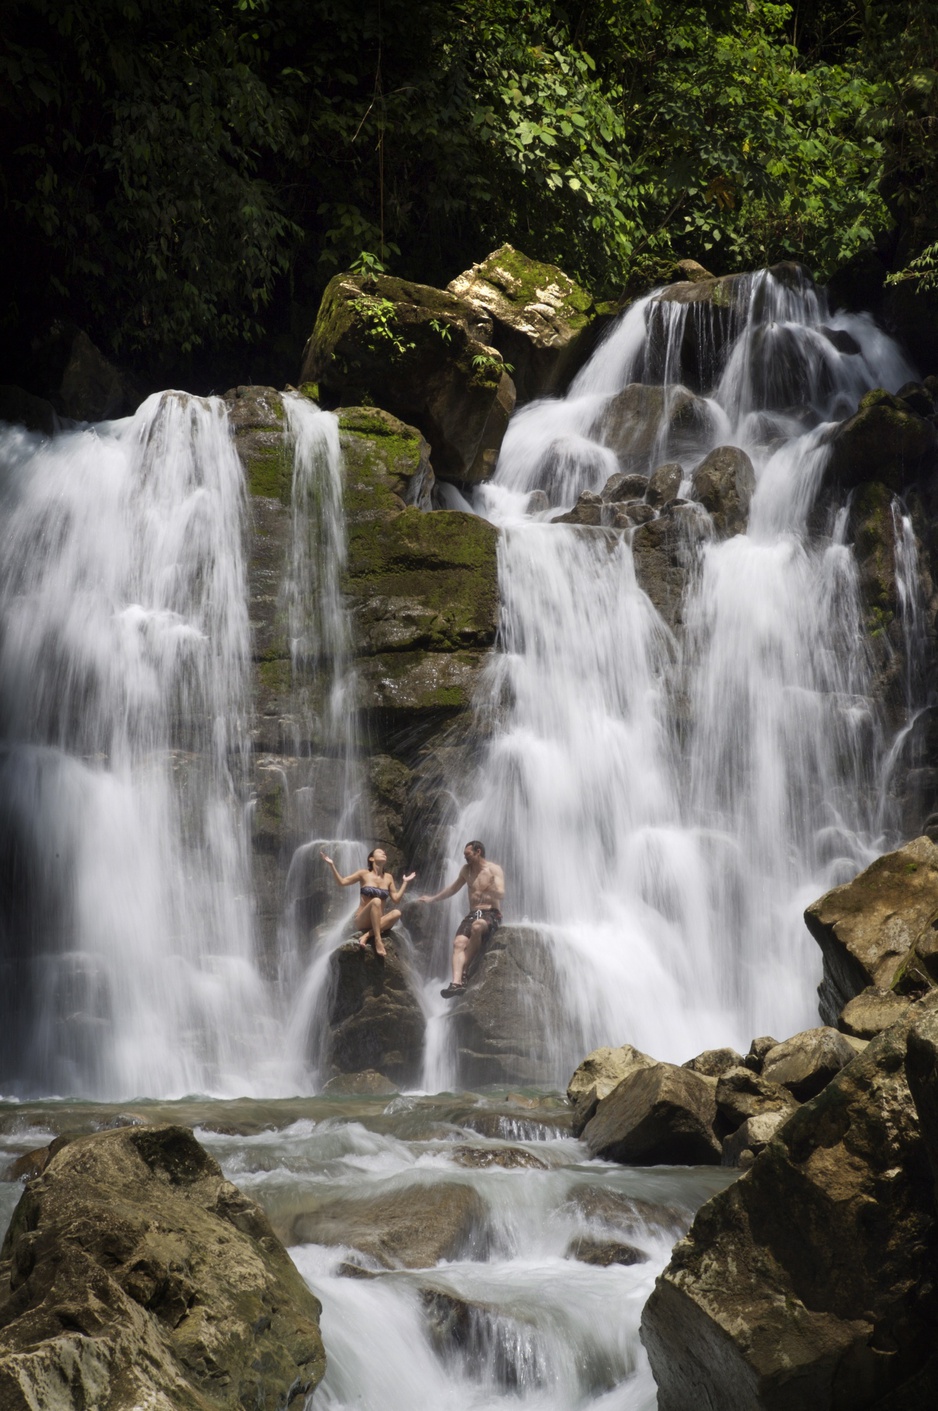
133, 1274
811, 1280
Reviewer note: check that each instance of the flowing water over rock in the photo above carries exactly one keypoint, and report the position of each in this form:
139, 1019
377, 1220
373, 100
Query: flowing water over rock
511, 1309
127, 944
666, 802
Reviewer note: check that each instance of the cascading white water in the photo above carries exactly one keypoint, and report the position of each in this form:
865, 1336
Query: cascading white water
123, 659
666, 806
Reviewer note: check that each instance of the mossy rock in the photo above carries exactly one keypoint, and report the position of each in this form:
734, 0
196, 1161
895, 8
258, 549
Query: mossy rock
422, 354
427, 581
257, 418
411, 684
386, 464
885, 441
874, 538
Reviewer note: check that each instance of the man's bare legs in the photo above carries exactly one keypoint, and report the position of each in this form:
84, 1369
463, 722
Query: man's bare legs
466, 948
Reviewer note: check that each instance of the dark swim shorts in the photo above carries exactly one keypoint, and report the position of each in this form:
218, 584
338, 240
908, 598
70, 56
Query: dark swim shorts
489, 915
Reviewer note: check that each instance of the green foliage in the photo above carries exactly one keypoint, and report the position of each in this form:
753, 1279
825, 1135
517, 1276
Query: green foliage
379, 318
183, 177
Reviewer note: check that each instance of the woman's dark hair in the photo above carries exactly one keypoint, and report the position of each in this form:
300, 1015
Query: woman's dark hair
477, 847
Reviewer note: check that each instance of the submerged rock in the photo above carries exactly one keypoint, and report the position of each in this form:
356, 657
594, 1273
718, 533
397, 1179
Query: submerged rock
507, 1158
810, 1281
643, 422
605, 1252
374, 1016
409, 1229
879, 929
658, 1115
134, 1274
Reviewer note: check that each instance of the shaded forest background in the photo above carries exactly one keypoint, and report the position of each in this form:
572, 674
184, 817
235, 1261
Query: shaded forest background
181, 178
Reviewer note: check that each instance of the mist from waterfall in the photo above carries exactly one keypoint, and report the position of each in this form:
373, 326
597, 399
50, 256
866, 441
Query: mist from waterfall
665, 804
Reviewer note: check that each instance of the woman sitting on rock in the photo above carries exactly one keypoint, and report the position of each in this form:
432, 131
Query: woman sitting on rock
377, 885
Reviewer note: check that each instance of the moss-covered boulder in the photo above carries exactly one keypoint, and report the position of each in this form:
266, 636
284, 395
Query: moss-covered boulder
810, 1282
257, 420
133, 1274
423, 354
885, 441
422, 587
537, 314
881, 929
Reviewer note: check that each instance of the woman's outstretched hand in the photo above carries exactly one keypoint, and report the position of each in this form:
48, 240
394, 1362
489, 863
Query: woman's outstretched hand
409, 877
326, 859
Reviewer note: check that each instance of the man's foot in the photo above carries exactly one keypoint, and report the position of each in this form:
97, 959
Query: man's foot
452, 990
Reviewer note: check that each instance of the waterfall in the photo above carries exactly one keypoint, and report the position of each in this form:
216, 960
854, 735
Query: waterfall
665, 802
128, 952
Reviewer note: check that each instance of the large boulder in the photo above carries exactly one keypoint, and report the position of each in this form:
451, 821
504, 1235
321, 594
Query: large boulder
537, 313
503, 1023
741, 1094
21, 408
723, 483
642, 423
598, 1075
658, 1115
423, 354
880, 928
133, 1274
410, 1229
872, 1011
665, 552
741, 1147
375, 1019
806, 1063
810, 1281
886, 441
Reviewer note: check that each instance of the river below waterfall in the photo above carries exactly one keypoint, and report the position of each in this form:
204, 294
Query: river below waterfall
511, 1313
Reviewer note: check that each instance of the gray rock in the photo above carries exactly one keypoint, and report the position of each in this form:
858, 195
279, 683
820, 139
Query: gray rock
714, 1062
757, 1051
878, 929
624, 486
406, 1229
806, 1063
133, 1274
872, 1011
742, 1094
808, 1282
723, 483
375, 1020
598, 1075
635, 512
503, 1023
587, 510
665, 552
604, 1252
507, 1158
664, 483
742, 1147
642, 421
658, 1115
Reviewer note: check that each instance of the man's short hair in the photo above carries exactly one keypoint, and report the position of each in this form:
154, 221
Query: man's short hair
477, 846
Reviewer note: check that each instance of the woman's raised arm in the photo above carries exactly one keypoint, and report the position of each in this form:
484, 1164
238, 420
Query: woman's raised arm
358, 876
397, 894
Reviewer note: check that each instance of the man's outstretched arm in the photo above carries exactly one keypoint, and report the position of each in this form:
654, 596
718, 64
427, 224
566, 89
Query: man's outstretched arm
451, 890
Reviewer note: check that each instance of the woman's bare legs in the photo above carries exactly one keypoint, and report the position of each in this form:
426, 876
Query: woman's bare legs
374, 925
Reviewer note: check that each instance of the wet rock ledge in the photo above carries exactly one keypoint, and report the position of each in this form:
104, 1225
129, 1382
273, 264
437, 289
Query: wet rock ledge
134, 1275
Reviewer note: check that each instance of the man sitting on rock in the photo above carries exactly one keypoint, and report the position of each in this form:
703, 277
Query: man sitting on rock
486, 883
